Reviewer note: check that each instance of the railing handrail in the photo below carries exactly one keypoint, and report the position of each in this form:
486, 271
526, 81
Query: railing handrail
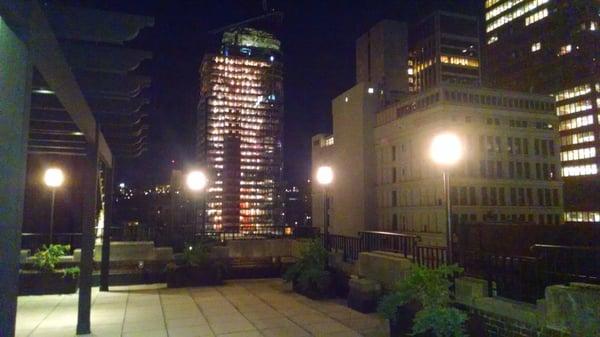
390, 234
48, 234
548, 246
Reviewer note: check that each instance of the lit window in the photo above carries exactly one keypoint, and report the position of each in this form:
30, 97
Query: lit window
573, 92
511, 15
574, 107
565, 50
346, 99
370, 90
460, 61
593, 25
576, 122
492, 39
577, 138
577, 154
536, 46
582, 216
536, 17
579, 170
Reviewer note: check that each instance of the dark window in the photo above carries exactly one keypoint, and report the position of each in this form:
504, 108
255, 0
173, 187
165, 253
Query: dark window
536, 147
547, 197
484, 196
552, 174
482, 168
544, 148
509, 145
519, 169
394, 222
453, 195
527, 170
511, 169
529, 197
493, 196
551, 147
501, 196
499, 172
525, 146
518, 145
538, 171
394, 199
555, 197
472, 196
540, 195
481, 143
463, 196
546, 171
521, 196
513, 197
491, 169
393, 174
393, 153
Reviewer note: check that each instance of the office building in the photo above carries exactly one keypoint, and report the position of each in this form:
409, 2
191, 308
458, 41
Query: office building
240, 116
509, 172
382, 58
444, 48
552, 47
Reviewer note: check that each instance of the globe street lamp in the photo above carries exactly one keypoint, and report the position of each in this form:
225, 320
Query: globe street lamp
447, 150
53, 178
324, 178
196, 182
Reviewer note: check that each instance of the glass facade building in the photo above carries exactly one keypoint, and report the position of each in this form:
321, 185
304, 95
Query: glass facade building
240, 124
552, 47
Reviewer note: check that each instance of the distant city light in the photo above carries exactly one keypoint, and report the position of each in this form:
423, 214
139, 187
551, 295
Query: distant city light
446, 149
272, 58
43, 91
122, 185
54, 177
370, 90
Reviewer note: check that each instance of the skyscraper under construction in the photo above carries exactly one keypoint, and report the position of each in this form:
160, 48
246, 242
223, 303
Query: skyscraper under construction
240, 127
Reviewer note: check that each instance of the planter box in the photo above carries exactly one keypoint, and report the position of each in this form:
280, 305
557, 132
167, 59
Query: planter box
192, 276
38, 283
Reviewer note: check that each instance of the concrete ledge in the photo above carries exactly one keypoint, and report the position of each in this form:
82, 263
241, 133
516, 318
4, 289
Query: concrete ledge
260, 248
363, 294
386, 268
469, 288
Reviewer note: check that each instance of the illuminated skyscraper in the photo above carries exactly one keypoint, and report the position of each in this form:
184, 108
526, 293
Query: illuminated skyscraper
443, 48
240, 125
553, 47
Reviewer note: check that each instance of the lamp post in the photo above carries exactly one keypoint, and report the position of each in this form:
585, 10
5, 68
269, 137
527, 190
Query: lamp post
446, 150
324, 178
53, 178
196, 181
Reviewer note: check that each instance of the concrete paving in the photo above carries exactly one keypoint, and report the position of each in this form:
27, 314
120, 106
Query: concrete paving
240, 308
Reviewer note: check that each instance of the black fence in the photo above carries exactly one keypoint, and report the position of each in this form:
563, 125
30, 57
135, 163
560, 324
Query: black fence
525, 278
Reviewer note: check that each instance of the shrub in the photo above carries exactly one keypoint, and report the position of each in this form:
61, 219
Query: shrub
72, 272
45, 259
310, 272
429, 288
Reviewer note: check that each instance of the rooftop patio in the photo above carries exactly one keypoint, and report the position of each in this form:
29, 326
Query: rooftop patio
262, 307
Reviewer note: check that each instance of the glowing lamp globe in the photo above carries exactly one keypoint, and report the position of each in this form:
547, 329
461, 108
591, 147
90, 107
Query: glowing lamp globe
324, 175
196, 181
54, 177
446, 149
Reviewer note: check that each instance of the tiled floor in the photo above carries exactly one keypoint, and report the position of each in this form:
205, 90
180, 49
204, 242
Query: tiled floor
237, 309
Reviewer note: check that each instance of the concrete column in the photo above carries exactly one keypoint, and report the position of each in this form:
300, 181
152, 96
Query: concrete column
88, 219
108, 222
15, 95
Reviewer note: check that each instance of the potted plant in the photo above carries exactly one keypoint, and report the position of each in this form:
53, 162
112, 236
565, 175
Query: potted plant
309, 275
47, 279
196, 268
424, 294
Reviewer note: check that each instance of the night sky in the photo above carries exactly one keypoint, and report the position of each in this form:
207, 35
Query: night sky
318, 39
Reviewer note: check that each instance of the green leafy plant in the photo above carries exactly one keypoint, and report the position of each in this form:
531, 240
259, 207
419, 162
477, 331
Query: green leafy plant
197, 254
45, 259
310, 272
429, 288
71, 272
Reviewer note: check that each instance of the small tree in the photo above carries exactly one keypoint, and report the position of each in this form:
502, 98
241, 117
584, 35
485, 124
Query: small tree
429, 288
45, 259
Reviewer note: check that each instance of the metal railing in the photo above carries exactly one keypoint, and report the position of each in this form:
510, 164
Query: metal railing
404, 244
431, 256
35, 241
